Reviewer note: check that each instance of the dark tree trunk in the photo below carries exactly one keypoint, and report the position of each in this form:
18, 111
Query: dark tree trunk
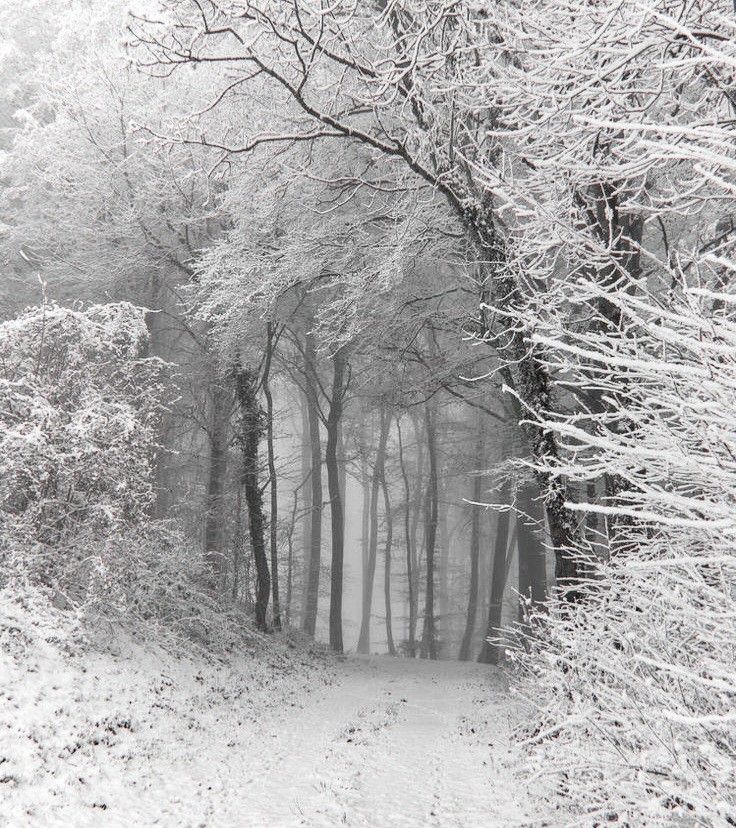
532, 568
251, 428
410, 550
429, 637
484, 576
289, 578
366, 510
306, 503
369, 573
489, 653
273, 522
442, 619
417, 507
467, 641
387, 566
334, 484
341, 459
214, 535
315, 518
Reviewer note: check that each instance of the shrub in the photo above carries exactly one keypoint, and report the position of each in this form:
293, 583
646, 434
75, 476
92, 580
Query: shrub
79, 409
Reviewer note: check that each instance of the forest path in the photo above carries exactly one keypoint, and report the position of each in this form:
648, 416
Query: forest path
395, 742
144, 738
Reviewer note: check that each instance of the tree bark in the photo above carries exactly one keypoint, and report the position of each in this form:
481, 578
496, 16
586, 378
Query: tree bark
366, 508
532, 568
273, 522
251, 428
306, 502
289, 578
417, 512
315, 518
442, 619
364, 639
410, 541
490, 653
334, 484
429, 637
387, 567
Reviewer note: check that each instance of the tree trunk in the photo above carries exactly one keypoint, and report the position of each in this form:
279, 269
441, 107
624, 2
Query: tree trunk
273, 522
289, 578
214, 535
251, 427
429, 637
474, 564
484, 578
306, 502
410, 550
417, 507
366, 509
489, 653
387, 566
315, 518
532, 568
442, 619
334, 484
341, 459
364, 640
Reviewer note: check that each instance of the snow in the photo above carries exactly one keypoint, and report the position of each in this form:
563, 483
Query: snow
396, 742
281, 736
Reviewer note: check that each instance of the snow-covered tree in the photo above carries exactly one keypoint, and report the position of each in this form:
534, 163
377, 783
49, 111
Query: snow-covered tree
616, 133
401, 82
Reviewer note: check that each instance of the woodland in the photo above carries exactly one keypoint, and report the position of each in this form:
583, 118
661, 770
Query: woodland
334, 333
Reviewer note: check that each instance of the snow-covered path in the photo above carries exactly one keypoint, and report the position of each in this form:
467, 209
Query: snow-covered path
143, 738
395, 743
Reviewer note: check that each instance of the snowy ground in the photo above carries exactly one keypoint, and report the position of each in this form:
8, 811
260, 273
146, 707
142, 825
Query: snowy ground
399, 743
142, 738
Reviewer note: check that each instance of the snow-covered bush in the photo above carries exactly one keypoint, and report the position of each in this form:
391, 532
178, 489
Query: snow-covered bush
151, 575
637, 683
79, 407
